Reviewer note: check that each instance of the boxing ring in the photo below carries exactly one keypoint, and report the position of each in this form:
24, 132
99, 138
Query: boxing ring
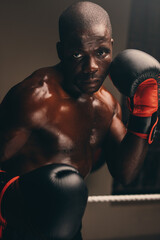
124, 198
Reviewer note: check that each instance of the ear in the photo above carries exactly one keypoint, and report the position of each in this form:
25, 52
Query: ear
59, 50
112, 41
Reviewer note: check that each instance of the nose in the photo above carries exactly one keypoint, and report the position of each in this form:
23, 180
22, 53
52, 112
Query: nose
90, 66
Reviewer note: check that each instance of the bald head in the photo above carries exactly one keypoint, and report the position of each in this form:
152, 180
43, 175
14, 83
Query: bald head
81, 16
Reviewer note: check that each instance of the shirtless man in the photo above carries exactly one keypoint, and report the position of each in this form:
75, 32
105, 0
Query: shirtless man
59, 124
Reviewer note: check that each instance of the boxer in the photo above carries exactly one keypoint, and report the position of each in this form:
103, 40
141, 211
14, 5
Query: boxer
60, 123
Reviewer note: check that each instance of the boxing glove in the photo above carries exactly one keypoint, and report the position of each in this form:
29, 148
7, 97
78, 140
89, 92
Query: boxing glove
52, 200
135, 74
5, 182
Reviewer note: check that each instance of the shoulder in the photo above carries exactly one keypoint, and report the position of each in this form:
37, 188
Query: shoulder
48, 76
31, 94
116, 130
109, 101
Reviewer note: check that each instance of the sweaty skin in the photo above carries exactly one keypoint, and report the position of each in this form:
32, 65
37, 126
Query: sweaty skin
63, 114
52, 126
44, 123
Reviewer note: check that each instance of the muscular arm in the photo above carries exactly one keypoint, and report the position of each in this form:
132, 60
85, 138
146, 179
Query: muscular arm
135, 74
124, 151
26, 123
13, 133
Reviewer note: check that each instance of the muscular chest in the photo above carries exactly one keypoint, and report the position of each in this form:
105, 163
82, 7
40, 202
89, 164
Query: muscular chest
73, 125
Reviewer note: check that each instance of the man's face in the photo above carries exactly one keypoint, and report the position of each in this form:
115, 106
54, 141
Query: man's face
86, 59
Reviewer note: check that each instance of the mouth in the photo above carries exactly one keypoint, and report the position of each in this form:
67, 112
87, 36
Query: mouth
91, 83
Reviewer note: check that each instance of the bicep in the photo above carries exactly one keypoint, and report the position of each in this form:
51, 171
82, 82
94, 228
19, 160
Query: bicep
117, 130
114, 137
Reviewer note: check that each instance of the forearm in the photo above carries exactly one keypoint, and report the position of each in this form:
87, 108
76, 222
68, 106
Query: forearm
127, 158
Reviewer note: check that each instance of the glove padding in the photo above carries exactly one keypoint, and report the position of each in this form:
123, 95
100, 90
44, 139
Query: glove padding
135, 74
49, 202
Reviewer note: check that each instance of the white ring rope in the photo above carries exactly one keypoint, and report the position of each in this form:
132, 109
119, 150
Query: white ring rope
124, 198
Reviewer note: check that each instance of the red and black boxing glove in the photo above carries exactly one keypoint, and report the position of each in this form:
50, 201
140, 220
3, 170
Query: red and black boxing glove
5, 182
46, 203
135, 74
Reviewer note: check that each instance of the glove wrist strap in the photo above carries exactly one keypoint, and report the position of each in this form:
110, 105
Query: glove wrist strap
144, 127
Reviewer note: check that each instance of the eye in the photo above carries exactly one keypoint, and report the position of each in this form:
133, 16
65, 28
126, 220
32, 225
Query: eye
102, 53
77, 55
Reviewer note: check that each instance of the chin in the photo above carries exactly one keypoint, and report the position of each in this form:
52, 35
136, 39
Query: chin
78, 90
90, 91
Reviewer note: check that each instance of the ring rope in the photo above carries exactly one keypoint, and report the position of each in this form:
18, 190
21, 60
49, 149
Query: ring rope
124, 198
